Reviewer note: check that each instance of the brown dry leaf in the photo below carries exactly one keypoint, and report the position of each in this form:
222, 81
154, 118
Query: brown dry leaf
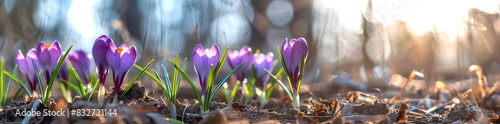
238, 107
333, 105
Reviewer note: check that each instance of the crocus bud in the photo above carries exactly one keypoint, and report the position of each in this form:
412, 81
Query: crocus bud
203, 59
27, 68
293, 53
101, 46
82, 64
236, 57
48, 56
261, 62
120, 59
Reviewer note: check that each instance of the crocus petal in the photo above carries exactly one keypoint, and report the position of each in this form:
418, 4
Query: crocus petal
82, 64
232, 57
44, 56
113, 57
21, 62
99, 51
27, 68
128, 58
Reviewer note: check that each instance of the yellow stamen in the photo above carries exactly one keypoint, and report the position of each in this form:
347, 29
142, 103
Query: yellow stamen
47, 46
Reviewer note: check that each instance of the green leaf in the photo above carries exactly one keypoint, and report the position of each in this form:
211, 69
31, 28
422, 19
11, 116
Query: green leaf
17, 81
175, 121
283, 63
40, 86
73, 73
148, 73
8, 84
224, 81
17, 92
235, 89
135, 79
54, 76
208, 90
181, 71
270, 89
167, 83
221, 61
178, 78
280, 83
165, 90
3, 96
94, 88
70, 85
302, 65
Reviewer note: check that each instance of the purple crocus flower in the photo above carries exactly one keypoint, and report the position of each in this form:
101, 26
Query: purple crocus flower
292, 52
203, 59
48, 56
120, 59
27, 68
261, 62
101, 46
236, 57
82, 64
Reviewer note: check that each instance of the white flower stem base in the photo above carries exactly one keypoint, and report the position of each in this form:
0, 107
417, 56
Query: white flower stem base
296, 102
172, 110
100, 95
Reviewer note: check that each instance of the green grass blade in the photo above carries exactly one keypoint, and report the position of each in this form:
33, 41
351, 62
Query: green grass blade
224, 81
40, 86
135, 79
165, 90
178, 78
8, 85
81, 87
280, 83
235, 89
70, 85
54, 76
208, 90
221, 61
94, 88
17, 92
17, 81
175, 121
3, 96
148, 73
283, 63
168, 84
181, 71
302, 65
162, 86
270, 89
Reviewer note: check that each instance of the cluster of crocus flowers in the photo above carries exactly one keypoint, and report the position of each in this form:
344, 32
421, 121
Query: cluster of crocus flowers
293, 55
27, 66
205, 60
120, 59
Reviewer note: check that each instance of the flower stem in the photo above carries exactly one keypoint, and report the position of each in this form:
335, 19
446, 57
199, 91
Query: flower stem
172, 109
296, 102
100, 96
